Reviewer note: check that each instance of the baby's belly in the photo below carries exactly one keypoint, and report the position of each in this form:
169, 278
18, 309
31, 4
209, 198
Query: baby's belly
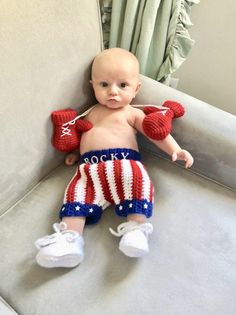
99, 139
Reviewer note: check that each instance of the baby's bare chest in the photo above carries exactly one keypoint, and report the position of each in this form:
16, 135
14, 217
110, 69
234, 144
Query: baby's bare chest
111, 119
109, 130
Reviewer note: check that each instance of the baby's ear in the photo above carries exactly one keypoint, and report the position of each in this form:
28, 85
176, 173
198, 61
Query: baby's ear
138, 87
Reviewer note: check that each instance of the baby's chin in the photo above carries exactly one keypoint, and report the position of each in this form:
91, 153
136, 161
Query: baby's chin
114, 104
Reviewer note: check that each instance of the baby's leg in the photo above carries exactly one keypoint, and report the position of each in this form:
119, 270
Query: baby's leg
75, 224
139, 218
137, 206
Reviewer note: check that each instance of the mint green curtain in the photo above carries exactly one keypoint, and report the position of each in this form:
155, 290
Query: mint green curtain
156, 31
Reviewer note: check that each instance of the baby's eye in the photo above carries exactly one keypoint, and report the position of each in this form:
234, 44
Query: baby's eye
103, 84
123, 85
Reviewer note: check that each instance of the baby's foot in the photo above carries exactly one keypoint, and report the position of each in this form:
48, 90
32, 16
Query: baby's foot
134, 241
61, 249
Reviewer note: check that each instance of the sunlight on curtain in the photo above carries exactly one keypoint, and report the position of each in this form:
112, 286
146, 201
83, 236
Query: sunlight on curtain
156, 31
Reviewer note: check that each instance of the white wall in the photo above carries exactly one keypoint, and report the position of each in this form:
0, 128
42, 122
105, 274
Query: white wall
210, 70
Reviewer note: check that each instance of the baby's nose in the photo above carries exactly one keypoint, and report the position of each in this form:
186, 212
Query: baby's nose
113, 90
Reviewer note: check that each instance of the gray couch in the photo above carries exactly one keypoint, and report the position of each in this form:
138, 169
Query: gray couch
46, 50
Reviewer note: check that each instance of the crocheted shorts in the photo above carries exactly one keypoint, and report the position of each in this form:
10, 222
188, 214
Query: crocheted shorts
108, 177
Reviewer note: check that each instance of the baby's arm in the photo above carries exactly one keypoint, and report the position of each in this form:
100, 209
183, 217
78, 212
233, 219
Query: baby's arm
168, 145
171, 147
72, 158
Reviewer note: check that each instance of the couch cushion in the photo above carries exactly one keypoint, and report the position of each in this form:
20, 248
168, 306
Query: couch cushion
190, 268
46, 51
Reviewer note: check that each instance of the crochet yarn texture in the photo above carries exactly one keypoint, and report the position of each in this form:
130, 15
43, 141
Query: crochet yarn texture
158, 122
121, 182
67, 129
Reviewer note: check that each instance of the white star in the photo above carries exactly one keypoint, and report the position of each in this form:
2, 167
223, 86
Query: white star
120, 208
77, 208
130, 205
91, 210
63, 209
145, 206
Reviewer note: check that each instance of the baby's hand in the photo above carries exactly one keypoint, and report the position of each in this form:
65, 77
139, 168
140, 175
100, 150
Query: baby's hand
71, 158
184, 156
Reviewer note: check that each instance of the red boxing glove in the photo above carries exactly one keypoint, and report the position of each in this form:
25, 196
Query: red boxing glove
175, 107
158, 122
66, 137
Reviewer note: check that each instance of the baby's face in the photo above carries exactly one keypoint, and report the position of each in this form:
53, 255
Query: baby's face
115, 82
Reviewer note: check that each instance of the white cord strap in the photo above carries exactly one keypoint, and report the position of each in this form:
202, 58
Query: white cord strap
66, 130
72, 122
156, 106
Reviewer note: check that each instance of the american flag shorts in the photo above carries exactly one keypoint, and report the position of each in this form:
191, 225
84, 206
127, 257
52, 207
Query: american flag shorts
109, 177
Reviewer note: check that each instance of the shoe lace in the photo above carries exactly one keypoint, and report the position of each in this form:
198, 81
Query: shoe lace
146, 228
60, 229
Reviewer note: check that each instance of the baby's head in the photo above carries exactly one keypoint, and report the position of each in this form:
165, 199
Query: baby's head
115, 77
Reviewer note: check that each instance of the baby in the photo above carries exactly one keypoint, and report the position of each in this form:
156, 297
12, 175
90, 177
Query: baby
110, 170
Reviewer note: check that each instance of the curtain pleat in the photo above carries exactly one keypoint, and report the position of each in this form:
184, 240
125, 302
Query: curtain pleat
156, 31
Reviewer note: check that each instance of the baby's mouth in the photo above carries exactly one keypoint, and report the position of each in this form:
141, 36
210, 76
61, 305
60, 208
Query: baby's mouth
113, 99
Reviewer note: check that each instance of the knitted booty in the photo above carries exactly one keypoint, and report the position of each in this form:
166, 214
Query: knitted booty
65, 137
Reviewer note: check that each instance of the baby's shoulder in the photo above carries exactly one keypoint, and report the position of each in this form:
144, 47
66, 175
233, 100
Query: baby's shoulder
135, 114
92, 110
137, 111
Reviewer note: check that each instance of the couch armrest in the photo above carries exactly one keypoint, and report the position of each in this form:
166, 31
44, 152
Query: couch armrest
209, 133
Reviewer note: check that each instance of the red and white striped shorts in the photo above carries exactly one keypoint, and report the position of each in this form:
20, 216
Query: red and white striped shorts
109, 177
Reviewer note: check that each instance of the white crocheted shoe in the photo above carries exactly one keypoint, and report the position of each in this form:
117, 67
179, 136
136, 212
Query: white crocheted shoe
134, 241
61, 249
